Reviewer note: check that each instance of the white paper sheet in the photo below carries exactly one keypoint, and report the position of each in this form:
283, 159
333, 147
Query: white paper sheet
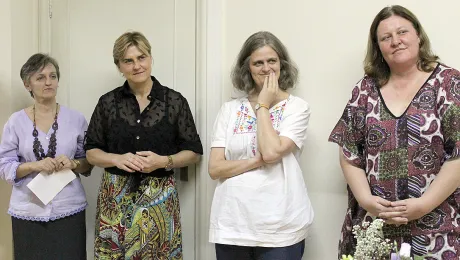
46, 186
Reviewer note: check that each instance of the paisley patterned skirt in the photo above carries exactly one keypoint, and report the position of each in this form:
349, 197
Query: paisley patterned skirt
137, 219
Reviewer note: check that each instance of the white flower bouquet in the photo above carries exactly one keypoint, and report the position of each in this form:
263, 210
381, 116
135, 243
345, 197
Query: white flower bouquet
371, 244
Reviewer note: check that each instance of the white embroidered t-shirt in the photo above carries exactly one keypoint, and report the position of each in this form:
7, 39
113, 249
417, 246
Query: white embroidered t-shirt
267, 206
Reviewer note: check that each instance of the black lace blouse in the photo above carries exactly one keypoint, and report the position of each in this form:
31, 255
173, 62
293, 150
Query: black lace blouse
165, 126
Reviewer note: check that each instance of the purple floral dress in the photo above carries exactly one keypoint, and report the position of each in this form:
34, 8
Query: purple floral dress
402, 155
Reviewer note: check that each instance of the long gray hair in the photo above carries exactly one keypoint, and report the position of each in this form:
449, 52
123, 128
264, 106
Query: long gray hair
241, 75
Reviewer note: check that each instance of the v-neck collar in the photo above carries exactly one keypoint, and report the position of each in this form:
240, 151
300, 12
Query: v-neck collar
412, 101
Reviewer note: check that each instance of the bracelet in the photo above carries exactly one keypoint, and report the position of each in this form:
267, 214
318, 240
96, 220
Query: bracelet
170, 163
260, 105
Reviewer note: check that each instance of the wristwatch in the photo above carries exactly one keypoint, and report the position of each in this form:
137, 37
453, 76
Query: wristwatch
77, 163
169, 166
259, 105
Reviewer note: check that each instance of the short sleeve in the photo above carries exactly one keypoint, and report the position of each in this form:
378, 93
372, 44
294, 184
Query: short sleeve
449, 110
9, 158
96, 135
219, 133
294, 125
349, 132
188, 138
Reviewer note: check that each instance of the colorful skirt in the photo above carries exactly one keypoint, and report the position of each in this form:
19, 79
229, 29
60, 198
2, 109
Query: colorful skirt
137, 218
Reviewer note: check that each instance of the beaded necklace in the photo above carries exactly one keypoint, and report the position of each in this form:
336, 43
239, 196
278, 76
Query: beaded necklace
37, 147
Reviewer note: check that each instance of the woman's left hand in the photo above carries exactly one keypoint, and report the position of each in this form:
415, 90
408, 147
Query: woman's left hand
269, 90
151, 161
415, 209
64, 163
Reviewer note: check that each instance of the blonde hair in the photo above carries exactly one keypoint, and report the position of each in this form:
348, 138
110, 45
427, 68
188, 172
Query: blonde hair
127, 40
375, 65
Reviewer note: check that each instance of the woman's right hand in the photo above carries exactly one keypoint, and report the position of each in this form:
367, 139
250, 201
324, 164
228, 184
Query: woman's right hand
269, 90
128, 162
376, 205
48, 165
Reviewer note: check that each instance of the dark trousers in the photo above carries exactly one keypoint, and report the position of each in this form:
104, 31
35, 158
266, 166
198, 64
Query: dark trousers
62, 239
231, 252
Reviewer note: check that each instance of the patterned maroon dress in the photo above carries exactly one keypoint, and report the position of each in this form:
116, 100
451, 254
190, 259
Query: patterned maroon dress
402, 155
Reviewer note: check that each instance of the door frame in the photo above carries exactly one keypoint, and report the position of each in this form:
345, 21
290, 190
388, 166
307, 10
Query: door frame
208, 91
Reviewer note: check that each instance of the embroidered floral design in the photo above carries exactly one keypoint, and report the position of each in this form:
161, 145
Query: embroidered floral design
246, 123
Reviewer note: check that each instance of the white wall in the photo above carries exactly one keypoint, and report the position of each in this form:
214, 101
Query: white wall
16, 45
327, 43
5, 111
327, 40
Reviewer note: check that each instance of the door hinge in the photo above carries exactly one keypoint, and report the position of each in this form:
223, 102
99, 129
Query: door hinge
50, 8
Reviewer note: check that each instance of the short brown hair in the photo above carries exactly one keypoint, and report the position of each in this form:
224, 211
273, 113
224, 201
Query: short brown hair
35, 64
241, 76
374, 64
127, 40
